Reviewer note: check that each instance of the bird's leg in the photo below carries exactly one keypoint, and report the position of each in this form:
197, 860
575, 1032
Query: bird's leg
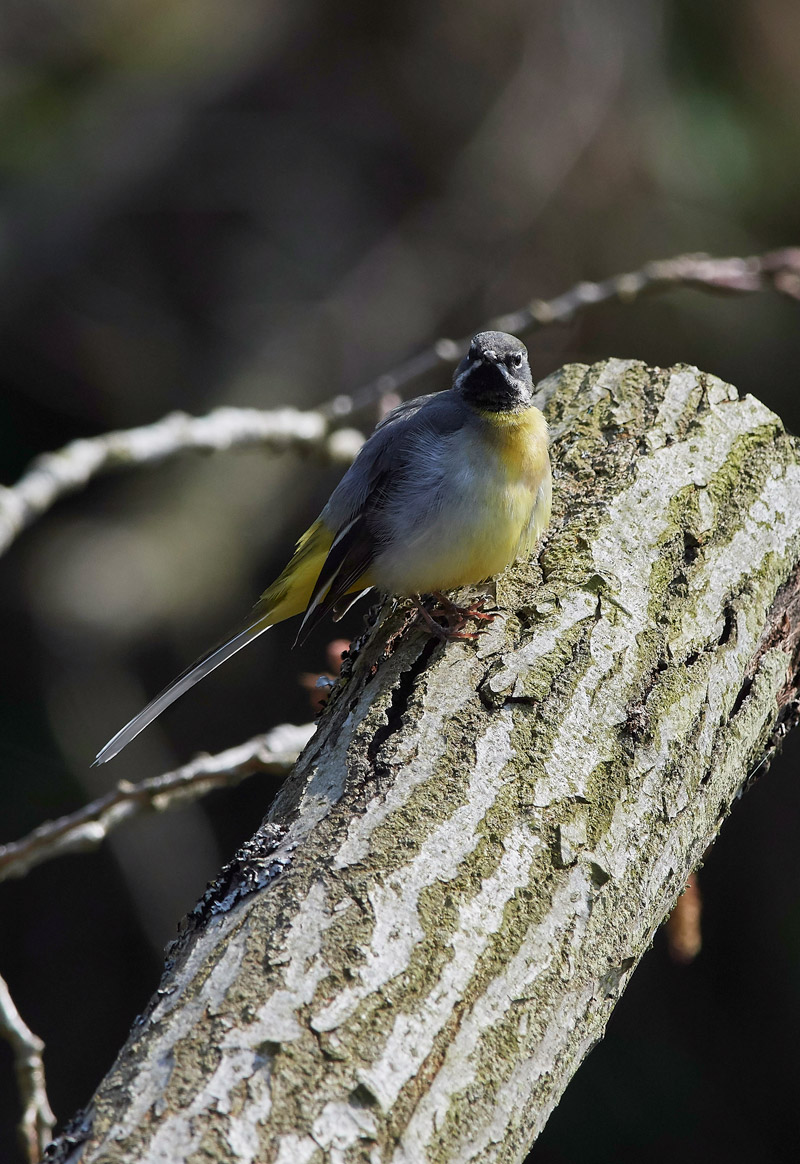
443, 633
455, 617
452, 611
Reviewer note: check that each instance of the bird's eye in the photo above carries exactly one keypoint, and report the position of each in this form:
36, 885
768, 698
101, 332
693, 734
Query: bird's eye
516, 359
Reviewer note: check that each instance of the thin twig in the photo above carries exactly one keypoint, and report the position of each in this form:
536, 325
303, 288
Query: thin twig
54, 475
37, 1120
777, 270
85, 829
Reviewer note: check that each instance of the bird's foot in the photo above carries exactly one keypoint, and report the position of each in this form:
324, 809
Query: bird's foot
444, 632
455, 619
454, 612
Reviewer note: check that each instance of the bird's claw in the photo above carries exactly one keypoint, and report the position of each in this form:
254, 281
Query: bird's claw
456, 618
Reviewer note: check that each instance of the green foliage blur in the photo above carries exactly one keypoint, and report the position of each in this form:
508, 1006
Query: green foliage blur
268, 202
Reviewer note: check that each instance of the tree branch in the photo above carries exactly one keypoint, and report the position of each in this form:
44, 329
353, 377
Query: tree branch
89, 826
776, 271
55, 475
412, 956
37, 1120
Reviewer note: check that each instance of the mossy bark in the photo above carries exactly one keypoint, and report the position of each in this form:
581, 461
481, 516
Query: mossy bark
412, 957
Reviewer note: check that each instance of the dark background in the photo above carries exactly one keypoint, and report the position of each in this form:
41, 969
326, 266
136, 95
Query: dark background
269, 203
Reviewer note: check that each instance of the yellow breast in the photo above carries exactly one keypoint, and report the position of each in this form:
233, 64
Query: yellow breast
521, 441
494, 504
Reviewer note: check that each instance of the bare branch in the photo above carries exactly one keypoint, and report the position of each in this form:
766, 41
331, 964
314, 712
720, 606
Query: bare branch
85, 829
37, 1120
776, 270
54, 475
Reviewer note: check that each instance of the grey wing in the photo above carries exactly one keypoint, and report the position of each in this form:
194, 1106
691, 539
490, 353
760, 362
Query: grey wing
385, 457
404, 411
372, 482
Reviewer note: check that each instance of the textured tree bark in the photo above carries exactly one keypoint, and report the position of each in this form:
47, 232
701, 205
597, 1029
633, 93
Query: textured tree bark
412, 957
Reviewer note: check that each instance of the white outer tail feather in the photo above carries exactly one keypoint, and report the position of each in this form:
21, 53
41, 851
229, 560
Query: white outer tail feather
177, 688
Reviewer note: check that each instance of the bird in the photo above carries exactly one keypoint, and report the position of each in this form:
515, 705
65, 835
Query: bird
448, 490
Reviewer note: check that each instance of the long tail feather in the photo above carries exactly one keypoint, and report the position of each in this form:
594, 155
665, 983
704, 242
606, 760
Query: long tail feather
287, 596
177, 687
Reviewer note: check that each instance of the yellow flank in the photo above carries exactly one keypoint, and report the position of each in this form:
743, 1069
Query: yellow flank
291, 591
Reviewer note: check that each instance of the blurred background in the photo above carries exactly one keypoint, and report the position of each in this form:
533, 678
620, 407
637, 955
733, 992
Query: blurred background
268, 202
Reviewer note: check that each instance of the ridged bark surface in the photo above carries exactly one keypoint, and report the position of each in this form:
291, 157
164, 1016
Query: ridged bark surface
411, 959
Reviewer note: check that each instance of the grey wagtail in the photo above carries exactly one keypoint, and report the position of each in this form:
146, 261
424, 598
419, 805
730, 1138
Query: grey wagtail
449, 490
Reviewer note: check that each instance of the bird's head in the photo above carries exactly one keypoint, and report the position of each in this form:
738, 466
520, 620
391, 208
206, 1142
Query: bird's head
495, 376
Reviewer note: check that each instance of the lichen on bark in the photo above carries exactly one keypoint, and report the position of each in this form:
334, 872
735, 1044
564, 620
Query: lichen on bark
479, 843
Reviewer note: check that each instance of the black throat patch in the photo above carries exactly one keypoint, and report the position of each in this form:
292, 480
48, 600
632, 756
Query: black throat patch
486, 388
